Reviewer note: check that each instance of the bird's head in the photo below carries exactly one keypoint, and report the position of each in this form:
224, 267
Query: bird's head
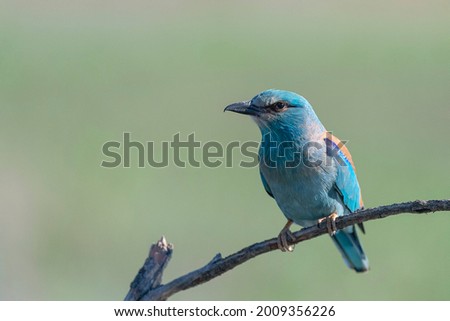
274, 108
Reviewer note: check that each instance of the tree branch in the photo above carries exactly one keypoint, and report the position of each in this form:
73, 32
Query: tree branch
144, 286
150, 274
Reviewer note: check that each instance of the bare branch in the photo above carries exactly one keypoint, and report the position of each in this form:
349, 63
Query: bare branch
151, 277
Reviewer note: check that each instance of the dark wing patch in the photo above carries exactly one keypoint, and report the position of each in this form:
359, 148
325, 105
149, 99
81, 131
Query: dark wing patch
266, 186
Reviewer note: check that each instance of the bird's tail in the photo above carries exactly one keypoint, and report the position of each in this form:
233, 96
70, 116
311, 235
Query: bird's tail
348, 244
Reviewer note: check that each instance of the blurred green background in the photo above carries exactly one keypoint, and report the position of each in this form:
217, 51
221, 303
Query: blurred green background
76, 74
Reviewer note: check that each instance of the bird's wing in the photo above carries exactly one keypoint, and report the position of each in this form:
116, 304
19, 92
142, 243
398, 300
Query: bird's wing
346, 182
266, 186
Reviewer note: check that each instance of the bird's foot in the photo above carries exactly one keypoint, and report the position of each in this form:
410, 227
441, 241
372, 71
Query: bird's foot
282, 239
331, 223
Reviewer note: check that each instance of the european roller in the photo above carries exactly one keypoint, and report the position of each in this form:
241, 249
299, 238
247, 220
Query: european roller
308, 171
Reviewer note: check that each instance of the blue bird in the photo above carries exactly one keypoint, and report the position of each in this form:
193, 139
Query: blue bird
308, 171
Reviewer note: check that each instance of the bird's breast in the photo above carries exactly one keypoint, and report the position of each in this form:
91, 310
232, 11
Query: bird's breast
302, 192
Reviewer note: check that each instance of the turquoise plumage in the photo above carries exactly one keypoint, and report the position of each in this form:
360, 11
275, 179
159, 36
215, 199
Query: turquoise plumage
308, 171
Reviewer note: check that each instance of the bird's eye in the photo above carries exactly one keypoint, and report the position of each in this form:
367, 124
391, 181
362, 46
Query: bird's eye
279, 106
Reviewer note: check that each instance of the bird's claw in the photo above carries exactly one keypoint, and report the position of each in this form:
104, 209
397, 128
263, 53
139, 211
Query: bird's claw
282, 239
331, 223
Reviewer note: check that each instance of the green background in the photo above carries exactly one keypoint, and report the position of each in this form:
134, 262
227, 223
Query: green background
74, 75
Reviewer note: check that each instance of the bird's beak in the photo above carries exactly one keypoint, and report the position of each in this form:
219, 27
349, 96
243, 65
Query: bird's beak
242, 107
